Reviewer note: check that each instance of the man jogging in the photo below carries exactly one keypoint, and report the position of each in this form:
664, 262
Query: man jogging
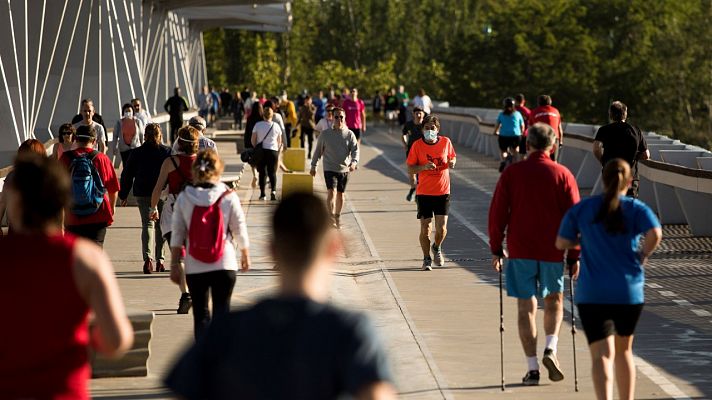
619, 139
412, 132
340, 149
529, 202
548, 114
431, 158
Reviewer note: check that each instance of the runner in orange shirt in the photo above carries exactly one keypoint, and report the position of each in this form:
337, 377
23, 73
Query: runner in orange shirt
431, 158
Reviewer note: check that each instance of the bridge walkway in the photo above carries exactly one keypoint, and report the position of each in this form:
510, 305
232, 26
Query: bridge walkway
440, 327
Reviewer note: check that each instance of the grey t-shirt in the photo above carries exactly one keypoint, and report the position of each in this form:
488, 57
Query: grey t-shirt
339, 149
100, 142
282, 348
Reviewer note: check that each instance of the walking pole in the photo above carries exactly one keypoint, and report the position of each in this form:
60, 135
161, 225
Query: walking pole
501, 326
573, 327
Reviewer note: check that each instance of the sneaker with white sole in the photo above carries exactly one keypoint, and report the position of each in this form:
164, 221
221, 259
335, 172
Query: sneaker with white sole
531, 378
427, 263
438, 256
552, 365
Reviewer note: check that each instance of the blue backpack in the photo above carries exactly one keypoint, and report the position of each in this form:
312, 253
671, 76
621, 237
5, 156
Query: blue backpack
87, 187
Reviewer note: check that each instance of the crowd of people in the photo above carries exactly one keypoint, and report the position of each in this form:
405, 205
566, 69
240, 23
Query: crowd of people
66, 202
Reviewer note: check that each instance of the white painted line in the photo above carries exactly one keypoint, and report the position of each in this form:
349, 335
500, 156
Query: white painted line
653, 285
670, 388
701, 313
667, 293
648, 370
419, 339
681, 302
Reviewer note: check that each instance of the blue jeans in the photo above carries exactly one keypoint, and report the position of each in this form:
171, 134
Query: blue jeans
150, 232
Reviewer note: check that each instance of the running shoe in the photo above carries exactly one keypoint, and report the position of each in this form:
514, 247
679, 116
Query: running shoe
409, 197
427, 263
160, 267
438, 255
552, 365
531, 378
263, 197
273, 196
184, 303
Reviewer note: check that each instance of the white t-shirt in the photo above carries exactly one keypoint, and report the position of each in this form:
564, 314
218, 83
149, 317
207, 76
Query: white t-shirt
423, 102
323, 125
269, 139
100, 142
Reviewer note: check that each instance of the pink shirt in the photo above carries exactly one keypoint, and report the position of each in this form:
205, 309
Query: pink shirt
354, 110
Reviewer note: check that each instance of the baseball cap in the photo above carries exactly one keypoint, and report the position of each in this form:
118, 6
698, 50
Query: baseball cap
198, 123
417, 108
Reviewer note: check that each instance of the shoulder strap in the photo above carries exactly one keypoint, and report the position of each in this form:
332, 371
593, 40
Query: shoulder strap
268, 132
173, 160
93, 154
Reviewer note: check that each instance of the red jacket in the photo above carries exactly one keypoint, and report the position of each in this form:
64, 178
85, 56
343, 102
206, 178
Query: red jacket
529, 202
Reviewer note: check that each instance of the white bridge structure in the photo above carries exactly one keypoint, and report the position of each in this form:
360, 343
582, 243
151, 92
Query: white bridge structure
54, 53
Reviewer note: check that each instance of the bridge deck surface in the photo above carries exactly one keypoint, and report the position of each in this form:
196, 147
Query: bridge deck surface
440, 327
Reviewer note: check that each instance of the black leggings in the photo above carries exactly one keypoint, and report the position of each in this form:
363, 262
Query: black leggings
267, 167
309, 133
220, 283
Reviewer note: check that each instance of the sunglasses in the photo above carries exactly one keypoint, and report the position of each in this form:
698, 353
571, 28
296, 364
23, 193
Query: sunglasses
338, 117
66, 133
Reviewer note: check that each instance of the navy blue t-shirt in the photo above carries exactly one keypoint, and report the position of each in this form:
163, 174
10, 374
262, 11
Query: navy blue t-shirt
282, 348
611, 272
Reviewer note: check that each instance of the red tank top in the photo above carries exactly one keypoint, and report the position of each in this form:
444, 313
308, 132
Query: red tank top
176, 178
45, 336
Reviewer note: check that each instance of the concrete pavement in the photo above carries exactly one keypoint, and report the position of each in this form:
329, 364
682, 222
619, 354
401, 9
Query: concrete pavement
441, 327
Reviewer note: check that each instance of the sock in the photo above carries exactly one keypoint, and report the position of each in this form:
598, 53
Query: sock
532, 363
551, 342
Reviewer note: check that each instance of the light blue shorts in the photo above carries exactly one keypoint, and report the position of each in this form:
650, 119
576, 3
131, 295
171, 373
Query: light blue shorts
528, 278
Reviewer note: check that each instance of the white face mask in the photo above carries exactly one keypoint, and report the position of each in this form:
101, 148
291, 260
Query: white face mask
430, 135
128, 114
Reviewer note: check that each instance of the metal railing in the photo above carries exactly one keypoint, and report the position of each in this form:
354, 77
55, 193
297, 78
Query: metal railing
676, 181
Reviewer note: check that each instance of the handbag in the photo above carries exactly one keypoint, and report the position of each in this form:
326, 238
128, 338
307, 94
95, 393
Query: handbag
258, 150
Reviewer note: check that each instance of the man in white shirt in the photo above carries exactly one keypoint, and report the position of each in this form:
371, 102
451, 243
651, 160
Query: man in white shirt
87, 113
423, 101
139, 113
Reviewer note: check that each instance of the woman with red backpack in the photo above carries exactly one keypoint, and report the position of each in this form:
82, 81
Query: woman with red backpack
208, 220
128, 133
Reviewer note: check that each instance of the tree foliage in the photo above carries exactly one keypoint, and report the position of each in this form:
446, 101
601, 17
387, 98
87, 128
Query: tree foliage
656, 56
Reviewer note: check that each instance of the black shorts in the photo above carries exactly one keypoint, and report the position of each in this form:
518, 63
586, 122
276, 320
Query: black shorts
432, 205
506, 142
356, 132
602, 320
523, 145
336, 179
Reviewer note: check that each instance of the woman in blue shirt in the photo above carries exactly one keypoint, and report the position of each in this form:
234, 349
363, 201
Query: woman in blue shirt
508, 129
610, 285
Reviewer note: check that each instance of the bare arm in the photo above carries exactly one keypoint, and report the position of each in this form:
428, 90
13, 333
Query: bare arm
112, 334
598, 149
644, 155
496, 128
561, 133
414, 169
166, 168
377, 391
563, 243
650, 243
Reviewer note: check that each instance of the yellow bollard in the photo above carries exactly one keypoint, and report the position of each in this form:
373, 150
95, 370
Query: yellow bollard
297, 182
294, 159
297, 139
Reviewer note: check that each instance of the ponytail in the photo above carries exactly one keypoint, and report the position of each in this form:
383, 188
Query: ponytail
616, 175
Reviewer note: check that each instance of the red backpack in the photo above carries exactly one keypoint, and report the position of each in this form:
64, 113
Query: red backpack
206, 232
